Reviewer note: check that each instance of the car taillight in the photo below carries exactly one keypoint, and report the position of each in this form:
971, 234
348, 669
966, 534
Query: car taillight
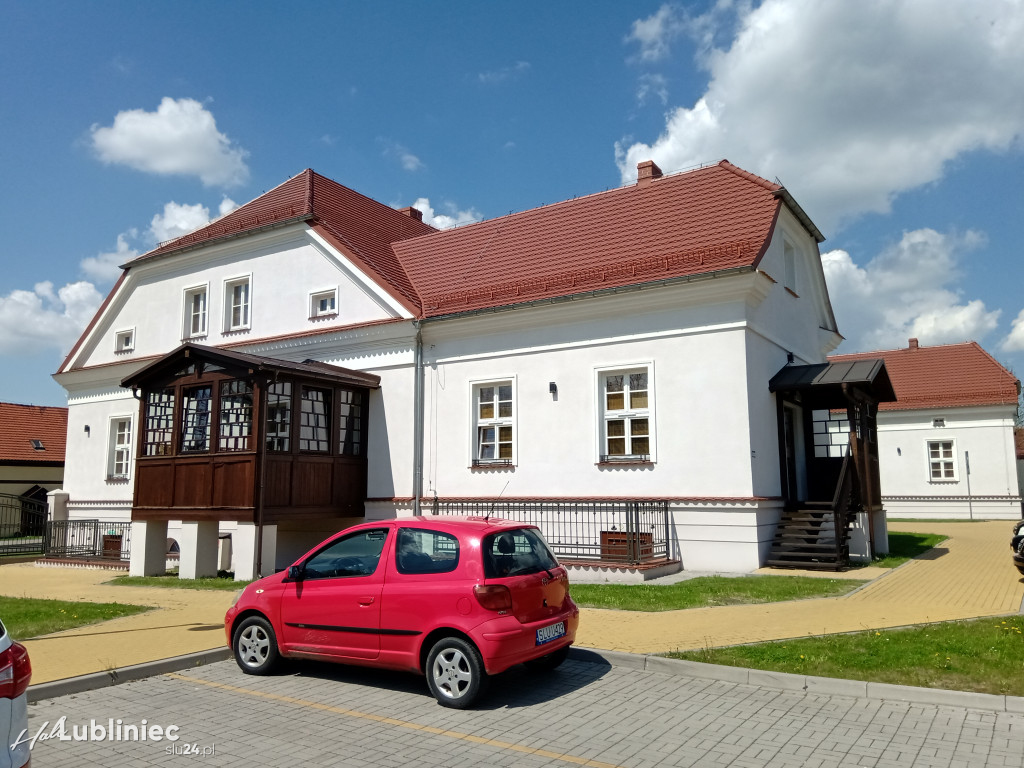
493, 597
15, 671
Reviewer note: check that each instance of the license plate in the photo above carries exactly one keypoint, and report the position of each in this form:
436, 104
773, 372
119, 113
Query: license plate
549, 633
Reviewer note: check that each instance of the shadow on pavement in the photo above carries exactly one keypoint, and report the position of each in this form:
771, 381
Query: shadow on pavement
512, 689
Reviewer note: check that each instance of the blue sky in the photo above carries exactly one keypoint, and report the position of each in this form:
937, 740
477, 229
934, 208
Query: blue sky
899, 132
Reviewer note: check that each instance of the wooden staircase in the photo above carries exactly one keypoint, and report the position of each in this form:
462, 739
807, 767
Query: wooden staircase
816, 534
807, 537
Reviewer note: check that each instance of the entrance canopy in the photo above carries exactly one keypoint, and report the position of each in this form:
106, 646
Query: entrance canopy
825, 385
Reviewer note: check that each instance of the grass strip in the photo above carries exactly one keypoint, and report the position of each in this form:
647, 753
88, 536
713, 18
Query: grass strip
907, 546
707, 591
27, 617
171, 581
982, 655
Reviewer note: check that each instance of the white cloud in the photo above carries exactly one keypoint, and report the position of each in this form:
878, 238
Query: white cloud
850, 103
106, 267
180, 138
904, 292
1014, 342
655, 34
178, 220
652, 85
454, 217
41, 319
227, 205
408, 161
512, 72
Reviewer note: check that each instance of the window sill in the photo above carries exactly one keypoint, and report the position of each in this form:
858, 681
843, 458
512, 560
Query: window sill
609, 461
236, 331
492, 464
329, 316
196, 337
118, 480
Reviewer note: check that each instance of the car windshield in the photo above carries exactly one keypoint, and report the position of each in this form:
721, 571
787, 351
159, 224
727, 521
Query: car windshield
516, 552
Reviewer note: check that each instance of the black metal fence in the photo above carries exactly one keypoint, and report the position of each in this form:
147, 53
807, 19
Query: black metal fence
22, 525
626, 532
88, 539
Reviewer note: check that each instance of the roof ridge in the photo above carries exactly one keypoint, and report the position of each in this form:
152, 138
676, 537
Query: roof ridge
771, 186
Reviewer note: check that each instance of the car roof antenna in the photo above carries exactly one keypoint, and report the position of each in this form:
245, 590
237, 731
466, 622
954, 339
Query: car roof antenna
492, 510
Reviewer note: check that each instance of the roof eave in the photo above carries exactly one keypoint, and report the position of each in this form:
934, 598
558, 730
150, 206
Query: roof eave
799, 212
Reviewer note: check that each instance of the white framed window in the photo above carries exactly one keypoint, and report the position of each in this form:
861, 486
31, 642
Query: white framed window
626, 410
119, 453
237, 304
195, 312
494, 422
942, 461
124, 341
323, 303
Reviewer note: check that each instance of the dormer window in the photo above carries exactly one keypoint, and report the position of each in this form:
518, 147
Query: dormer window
124, 341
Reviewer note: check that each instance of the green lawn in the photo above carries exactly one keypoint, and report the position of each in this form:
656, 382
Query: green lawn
706, 591
27, 617
906, 546
172, 581
984, 655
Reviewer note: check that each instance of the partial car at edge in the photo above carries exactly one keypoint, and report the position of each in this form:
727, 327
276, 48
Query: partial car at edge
15, 674
1017, 545
458, 599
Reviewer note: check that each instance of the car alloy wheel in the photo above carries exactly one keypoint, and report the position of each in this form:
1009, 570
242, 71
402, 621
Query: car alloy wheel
455, 673
255, 646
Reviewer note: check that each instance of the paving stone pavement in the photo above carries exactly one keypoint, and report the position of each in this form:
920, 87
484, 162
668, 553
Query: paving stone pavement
588, 714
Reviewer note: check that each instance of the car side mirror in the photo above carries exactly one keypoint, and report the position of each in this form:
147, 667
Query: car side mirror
296, 572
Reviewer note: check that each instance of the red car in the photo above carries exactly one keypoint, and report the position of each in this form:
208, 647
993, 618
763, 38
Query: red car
455, 598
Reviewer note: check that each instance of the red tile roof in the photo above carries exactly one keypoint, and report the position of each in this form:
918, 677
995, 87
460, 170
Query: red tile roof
944, 376
361, 228
701, 221
21, 424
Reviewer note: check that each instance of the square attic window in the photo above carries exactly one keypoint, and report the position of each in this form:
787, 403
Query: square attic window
37, 445
124, 341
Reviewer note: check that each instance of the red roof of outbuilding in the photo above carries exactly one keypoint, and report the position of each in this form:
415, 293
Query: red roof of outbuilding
21, 424
701, 221
944, 376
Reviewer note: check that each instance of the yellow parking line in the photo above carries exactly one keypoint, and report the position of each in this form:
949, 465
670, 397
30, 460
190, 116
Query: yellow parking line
496, 743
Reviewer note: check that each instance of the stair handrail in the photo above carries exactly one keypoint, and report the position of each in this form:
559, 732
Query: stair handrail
841, 508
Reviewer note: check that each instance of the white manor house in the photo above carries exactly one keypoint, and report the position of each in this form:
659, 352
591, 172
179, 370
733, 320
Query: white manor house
642, 372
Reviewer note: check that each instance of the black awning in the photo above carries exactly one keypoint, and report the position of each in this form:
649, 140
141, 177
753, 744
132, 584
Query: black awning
824, 383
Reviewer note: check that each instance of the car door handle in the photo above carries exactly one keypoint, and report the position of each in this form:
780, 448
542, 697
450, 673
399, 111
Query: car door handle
366, 600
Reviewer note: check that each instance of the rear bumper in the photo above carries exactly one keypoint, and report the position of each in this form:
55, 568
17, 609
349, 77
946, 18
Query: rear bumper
504, 642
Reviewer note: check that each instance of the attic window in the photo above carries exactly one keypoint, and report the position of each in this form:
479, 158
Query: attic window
938, 422
323, 304
124, 341
37, 445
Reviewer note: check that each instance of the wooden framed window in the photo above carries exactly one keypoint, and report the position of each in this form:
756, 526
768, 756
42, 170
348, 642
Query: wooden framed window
942, 461
626, 415
279, 417
315, 420
159, 424
235, 415
494, 423
195, 419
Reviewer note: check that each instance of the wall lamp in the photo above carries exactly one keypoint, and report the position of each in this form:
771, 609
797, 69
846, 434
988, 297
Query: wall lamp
87, 430
552, 388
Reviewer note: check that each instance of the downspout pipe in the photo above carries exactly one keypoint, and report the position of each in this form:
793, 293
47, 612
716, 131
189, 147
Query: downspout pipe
417, 420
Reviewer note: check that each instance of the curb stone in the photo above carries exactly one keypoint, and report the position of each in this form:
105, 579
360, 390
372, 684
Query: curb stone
809, 684
83, 683
739, 675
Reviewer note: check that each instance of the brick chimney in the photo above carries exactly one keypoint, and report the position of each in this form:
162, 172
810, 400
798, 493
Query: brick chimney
415, 213
646, 172
913, 344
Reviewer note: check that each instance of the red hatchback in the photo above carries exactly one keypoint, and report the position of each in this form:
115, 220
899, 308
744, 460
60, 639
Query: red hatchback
456, 598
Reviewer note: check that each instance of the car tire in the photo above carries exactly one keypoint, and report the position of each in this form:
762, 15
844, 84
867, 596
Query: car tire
255, 646
550, 662
455, 672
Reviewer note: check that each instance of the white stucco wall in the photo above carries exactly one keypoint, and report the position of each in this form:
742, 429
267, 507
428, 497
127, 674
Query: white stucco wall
986, 434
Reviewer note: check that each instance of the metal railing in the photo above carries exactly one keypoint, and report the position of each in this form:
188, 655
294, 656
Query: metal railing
88, 539
621, 532
22, 525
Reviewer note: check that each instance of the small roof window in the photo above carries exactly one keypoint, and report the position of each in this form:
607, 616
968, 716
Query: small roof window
37, 445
